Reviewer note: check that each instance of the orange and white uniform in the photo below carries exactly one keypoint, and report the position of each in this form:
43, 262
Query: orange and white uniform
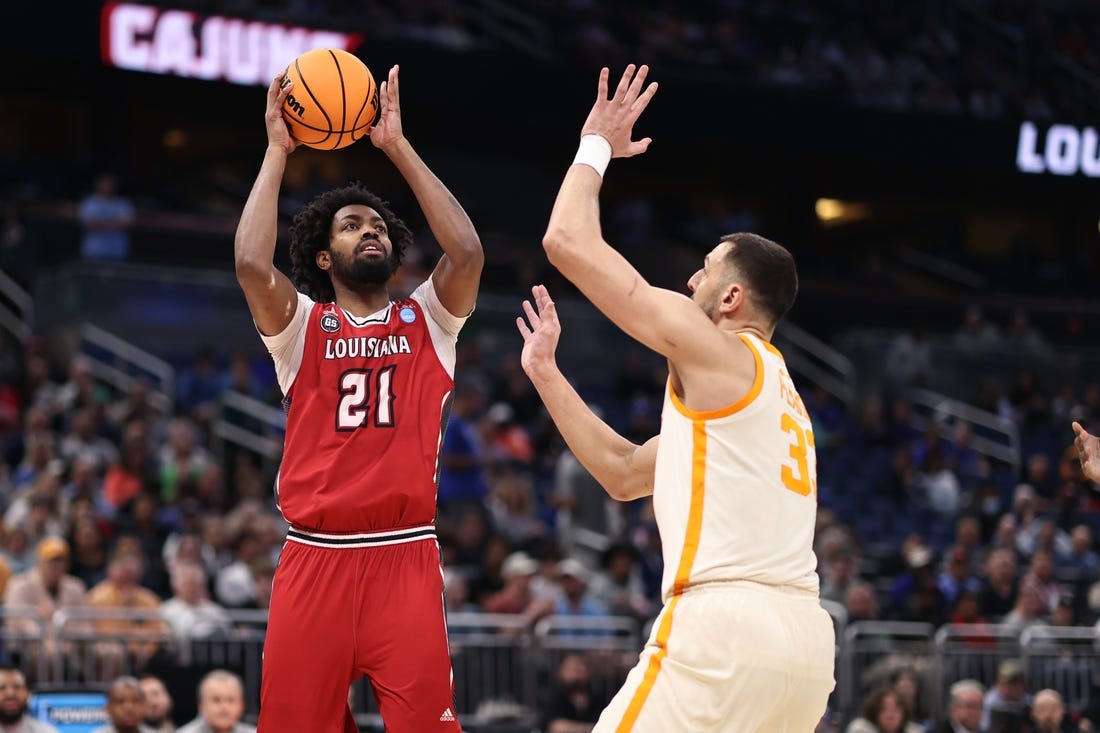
742, 643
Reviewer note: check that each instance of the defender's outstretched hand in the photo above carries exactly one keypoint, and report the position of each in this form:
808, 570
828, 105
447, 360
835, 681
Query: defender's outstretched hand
278, 134
613, 119
540, 340
387, 131
1088, 451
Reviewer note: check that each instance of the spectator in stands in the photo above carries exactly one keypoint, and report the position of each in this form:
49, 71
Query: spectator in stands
955, 578
121, 592
235, 586
133, 471
136, 406
38, 458
158, 705
574, 707
618, 586
462, 481
1008, 698
1047, 712
964, 708
1040, 579
221, 705
838, 575
512, 505
575, 600
35, 419
914, 594
89, 553
516, 595
1081, 561
107, 218
456, 593
506, 442
1029, 610
883, 711
189, 612
199, 386
44, 589
1022, 336
14, 715
909, 359
997, 596
181, 460
861, 603
968, 536
967, 613
84, 484
906, 682
487, 577
976, 333
80, 390
125, 707
83, 441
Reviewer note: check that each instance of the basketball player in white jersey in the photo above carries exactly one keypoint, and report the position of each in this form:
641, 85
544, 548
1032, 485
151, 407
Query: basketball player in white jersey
742, 643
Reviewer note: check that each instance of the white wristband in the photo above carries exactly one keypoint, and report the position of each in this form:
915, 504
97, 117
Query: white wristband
594, 151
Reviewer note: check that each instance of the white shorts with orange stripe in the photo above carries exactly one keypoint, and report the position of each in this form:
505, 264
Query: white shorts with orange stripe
735, 657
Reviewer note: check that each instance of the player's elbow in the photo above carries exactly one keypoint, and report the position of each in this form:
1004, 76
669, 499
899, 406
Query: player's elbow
251, 269
626, 489
470, 256
558, 242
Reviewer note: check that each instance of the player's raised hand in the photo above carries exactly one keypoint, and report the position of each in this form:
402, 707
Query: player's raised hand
1088, 451
277, 132
387, 131
540, 339
614, 118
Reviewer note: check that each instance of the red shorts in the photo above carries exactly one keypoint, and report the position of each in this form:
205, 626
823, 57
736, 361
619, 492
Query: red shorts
344, 606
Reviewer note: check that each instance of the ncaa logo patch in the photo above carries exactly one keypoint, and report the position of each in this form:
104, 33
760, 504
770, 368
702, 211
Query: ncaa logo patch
408, 315
330, 323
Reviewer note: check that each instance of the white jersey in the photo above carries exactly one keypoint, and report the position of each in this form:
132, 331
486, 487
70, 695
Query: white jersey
735, 490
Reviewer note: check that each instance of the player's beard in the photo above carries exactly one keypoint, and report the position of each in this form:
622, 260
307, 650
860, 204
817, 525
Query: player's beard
12, 717
156, 721
363, 270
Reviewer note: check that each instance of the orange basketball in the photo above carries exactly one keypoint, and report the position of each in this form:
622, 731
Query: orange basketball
334, 100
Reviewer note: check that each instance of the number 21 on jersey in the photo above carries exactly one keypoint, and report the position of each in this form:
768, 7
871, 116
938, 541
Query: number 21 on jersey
799, 470
356, 403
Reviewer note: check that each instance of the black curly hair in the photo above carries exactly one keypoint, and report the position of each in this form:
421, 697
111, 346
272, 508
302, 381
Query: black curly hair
309, 234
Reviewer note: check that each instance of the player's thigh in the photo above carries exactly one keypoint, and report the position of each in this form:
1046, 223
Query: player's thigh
403, 647
722, 660
308, 661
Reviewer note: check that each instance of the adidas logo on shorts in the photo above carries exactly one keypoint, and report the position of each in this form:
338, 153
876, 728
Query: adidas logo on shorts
447, 716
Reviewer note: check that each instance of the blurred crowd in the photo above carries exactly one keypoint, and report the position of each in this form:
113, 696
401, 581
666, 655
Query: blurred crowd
986, 59
108, 502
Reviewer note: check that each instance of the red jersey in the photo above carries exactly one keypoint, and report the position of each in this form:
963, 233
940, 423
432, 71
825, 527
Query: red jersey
367, 401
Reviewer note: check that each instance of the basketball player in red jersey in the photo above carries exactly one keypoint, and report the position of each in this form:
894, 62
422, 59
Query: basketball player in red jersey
367, 384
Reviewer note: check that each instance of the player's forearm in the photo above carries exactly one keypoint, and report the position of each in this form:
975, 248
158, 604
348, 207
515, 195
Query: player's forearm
574, 227
602, 451
254, 244
447, 219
